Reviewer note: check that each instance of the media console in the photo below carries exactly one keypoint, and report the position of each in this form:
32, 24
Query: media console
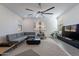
70, 35
74, 43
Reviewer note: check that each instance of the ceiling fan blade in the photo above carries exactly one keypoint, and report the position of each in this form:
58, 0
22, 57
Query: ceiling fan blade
48, 9
30, 14
29, 9
48, 13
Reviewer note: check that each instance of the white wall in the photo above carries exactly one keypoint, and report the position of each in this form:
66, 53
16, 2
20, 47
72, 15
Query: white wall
28, 25
71, 17
50, 21
8, 21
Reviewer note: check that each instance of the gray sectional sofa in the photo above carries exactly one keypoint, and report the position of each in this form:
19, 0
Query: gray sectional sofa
13, 40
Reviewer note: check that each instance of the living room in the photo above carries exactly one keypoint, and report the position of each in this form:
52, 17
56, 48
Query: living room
26, 28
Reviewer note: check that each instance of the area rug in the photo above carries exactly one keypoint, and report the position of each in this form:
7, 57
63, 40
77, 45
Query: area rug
29, 52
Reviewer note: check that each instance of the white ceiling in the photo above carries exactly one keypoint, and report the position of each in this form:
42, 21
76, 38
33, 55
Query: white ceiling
19, 8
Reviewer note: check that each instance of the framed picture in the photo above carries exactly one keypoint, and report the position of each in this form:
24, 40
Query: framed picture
19, 27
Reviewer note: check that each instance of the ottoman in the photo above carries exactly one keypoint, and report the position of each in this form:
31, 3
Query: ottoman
33, 41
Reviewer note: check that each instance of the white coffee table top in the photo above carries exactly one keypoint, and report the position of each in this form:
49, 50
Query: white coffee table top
37, 39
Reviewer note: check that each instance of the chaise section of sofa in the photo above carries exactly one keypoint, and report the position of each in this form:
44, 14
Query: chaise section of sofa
4, 45
11, 41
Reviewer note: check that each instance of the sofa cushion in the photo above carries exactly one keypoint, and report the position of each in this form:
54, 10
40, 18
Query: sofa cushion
3, 39
11, 37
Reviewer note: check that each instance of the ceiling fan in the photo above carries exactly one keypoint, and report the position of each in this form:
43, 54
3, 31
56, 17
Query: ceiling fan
41, 12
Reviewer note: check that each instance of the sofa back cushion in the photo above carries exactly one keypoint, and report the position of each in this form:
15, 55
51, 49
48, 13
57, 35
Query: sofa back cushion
11, 37
19, 35
29, 33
